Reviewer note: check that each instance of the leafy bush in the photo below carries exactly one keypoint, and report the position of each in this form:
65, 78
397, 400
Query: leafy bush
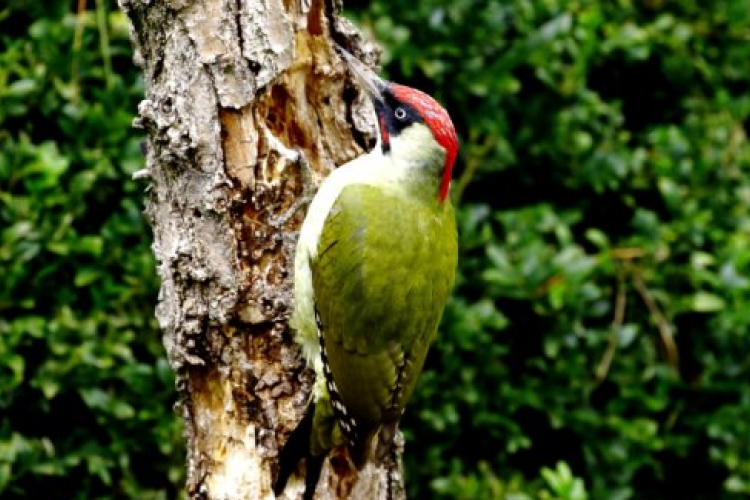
85, 396
601, 314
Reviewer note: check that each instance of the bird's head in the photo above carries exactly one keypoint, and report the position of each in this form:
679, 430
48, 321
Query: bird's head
414, 129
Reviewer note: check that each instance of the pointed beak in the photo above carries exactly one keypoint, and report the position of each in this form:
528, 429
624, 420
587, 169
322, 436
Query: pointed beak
373, 84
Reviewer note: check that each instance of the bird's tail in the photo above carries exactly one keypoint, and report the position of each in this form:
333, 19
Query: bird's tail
297, 448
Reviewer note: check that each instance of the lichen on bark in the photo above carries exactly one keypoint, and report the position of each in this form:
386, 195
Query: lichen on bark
236, 91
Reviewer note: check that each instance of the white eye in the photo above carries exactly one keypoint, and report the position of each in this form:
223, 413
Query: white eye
400, 113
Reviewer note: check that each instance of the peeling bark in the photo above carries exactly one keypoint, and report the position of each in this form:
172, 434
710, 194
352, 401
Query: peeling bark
235, 91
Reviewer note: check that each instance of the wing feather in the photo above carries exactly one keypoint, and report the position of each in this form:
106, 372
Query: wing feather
380, 288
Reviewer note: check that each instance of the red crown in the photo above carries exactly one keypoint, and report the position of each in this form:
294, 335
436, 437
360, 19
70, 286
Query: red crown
437, 119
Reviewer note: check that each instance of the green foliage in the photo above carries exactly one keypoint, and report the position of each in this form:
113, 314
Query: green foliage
85, 394
601, 318
558, 484
562, 483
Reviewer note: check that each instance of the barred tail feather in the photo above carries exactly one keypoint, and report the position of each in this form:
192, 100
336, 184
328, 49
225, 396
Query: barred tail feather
359, 450
295, 449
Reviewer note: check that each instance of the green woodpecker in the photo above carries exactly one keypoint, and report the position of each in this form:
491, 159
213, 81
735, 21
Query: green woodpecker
374, 267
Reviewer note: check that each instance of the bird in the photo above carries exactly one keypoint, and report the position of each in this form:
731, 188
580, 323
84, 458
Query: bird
374, 267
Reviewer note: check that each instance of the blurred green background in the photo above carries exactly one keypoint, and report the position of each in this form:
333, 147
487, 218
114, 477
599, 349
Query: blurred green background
597, 346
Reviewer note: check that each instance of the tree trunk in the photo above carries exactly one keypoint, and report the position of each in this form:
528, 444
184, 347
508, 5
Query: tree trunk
236, 91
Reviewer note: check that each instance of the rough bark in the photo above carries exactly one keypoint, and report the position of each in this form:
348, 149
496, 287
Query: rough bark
235, 89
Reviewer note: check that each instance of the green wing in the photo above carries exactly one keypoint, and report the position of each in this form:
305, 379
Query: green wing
383, 272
